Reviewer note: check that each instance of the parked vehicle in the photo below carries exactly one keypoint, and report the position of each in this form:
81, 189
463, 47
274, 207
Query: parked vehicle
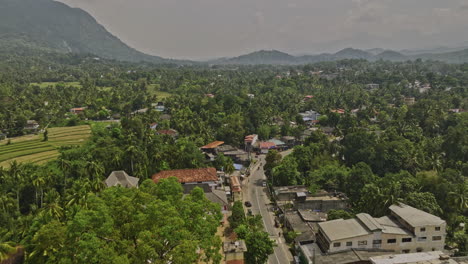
248, 204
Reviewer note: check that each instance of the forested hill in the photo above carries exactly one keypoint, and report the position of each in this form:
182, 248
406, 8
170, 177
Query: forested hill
278, 57
46, 25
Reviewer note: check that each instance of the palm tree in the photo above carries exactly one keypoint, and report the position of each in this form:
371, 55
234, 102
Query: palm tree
6, 249
459, 196
38, 181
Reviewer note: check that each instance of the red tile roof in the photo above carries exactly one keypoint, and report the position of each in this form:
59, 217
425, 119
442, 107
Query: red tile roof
213, 145
249, 138
235, 261
235, 184
188, 175
267, 145
338, 111
170, 132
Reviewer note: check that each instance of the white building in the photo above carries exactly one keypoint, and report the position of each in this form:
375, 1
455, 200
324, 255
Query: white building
406, 230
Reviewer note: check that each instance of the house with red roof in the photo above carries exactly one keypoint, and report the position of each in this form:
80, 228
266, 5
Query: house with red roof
205, 177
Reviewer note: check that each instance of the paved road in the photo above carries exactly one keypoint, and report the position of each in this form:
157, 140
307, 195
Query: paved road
257, 195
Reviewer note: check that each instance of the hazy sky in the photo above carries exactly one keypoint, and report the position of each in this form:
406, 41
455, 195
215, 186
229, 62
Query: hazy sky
197, 29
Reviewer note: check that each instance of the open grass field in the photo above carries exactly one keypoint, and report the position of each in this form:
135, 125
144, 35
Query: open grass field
31, 148
47, 84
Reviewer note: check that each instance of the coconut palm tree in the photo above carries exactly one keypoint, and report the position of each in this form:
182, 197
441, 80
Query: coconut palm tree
6, 249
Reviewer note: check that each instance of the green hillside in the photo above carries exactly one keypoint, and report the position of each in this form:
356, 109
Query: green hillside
52, 26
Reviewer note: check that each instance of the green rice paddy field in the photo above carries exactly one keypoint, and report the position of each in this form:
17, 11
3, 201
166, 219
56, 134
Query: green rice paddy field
31, 148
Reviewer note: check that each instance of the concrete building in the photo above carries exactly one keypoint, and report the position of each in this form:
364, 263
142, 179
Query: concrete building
234, 251
302, 199
434, 257
406, 230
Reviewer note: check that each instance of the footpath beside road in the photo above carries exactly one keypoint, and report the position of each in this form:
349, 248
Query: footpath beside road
254, 192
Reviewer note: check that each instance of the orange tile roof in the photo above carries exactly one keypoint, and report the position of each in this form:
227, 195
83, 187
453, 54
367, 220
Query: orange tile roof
188, 175
267, 145
213, 145
235, 261
235, 184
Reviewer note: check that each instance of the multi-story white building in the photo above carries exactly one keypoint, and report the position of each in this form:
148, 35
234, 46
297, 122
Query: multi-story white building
406, 230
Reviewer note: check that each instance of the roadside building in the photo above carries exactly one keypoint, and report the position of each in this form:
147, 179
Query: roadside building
205, 178
236, 188
266, 146
212, 147
121, 178
250, 142
234, 251
406, 230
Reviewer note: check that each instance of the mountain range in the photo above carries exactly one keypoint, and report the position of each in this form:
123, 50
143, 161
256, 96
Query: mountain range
31, 26
278, 57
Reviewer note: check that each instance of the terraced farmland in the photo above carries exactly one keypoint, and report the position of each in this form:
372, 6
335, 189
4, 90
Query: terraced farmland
31, 148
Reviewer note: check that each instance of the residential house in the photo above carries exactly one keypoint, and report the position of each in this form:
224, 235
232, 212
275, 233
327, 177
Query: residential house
234, 251
266, 146
250, 142
409, 100
153, 126
77, 110
310, 117
338, 111
121, 178
204, 177
159, 107
425, 88
140, 111
31, 125
210, 95
406, 230
212, 147
169, 132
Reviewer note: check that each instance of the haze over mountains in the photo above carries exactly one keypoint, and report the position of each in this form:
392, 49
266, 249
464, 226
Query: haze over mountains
46, 25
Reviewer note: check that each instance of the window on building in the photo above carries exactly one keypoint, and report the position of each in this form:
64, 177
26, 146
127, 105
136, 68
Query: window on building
405, 251
419, 250
422, 238
436, 238
406, 240
337, 244
423, 229
377, 242
391, 241
349, 244
362, 243
437, 228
